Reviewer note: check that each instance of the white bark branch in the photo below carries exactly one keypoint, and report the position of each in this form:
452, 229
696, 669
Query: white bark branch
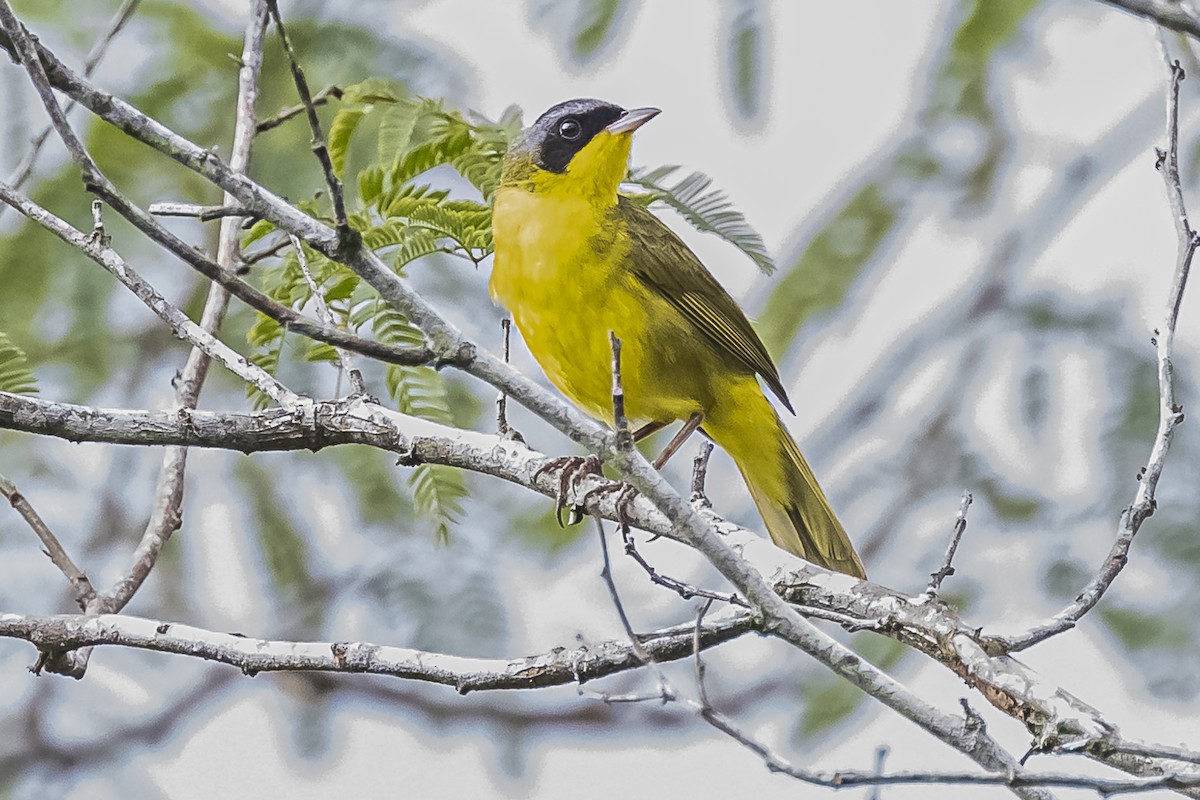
1056, 720
557, 667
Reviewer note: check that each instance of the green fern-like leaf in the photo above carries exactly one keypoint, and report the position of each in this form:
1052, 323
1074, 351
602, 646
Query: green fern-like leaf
418, 244
437, 493
707, 210
396, 124
370, 184
257, 231
467, 223
404, 200
420, 391
345, 121
269, 360
15, 375
452, 143
320, 351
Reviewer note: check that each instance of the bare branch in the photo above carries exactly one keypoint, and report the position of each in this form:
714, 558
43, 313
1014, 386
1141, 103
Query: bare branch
95, 249
1170, 15
81, 587
166, 516
558, 667
1170, 414
345, 362
1054, 716
25, 168
947, 568
318, 99
320, 149
700, 472
200, 212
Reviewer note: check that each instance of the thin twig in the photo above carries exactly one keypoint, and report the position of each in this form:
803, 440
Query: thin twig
881, 754
325, 314
701, 688
1170, 414
620, 423
502, 426
81, 587
318, 99
1168, 14
665, 692
947, 567
200, 212
684, 590
25, 168
179, 322
320, 149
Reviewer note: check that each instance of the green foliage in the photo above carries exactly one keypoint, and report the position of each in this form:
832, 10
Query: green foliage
708, 210
746, 52
595, 25
15, 375
283, 547
820, 277
1138, 630
419, 391
1006, 504
371, 474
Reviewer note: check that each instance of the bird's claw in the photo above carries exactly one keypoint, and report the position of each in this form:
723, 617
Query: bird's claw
626, 494
572, 470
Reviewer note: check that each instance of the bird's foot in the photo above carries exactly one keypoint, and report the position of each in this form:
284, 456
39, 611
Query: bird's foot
626, 494
571, 470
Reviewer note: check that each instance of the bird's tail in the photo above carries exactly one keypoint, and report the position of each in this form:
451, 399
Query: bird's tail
796, 513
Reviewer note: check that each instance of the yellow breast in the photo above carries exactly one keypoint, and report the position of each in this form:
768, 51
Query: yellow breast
559, 270
549, 274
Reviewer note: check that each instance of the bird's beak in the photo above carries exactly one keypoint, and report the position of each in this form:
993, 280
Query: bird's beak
630, 121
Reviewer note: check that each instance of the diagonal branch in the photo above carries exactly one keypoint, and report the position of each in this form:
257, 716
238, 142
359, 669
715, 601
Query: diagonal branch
1175, 16
96, 248
167, 514
80, 585
25, 168
1170, 414
320, 149
1055, 717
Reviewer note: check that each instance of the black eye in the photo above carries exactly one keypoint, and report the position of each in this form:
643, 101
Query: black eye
570, 129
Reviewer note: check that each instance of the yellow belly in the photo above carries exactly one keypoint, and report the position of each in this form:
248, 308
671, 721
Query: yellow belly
558, 271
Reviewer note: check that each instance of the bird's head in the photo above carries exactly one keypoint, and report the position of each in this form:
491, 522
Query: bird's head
580, 146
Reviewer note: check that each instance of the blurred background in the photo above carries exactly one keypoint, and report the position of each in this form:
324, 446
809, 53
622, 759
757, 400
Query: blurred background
973, 248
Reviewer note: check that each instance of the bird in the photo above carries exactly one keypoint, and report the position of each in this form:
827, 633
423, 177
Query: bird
576, 261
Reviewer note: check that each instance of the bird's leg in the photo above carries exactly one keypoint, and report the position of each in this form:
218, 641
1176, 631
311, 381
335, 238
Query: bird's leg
687, 430
572, 470
647, 429
626, 493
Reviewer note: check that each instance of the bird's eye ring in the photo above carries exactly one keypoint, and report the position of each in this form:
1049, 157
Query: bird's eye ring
570, 129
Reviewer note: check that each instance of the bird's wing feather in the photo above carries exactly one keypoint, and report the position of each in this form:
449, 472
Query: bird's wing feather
662, 262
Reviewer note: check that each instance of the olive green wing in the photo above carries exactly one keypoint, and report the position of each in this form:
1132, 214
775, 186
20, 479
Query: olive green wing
661, 261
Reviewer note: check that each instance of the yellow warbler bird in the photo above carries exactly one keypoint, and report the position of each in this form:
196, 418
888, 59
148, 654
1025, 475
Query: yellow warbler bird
575, 260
